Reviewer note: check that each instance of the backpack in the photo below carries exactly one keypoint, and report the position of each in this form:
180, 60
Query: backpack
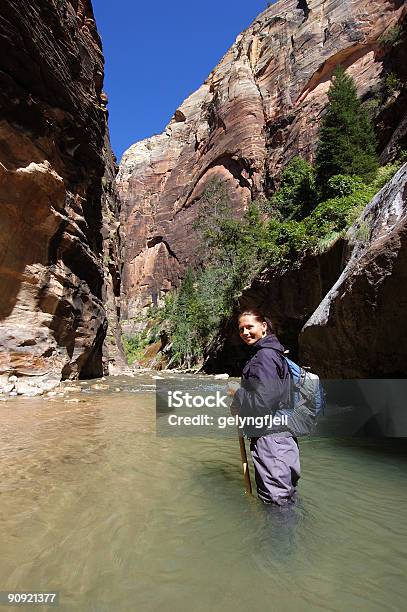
307, 400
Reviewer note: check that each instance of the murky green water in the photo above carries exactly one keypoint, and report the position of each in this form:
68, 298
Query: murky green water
94, 505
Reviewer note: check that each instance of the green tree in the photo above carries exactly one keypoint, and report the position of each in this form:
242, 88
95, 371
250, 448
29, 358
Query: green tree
297, 195
185, 347
231, 253
347, 142
213, 220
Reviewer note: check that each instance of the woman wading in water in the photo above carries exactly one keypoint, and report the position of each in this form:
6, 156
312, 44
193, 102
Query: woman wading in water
264, 390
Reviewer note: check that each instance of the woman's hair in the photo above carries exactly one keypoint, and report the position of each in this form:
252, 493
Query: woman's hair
259, 316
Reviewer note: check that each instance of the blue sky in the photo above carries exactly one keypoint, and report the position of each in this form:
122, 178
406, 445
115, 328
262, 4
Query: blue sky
157, 53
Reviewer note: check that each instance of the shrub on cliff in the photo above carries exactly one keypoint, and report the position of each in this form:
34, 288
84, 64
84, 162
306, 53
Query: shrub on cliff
288, 240
333, 216
342, 185
347, 142
297, 195
392, 36
285, 241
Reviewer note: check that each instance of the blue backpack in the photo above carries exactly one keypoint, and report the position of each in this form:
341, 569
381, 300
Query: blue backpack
307, 400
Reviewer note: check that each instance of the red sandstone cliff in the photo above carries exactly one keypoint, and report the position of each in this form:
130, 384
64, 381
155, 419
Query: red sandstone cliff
58, 210
259, 107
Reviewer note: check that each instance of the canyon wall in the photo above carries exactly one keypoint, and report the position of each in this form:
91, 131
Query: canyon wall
342, 312
59, 212
260, 106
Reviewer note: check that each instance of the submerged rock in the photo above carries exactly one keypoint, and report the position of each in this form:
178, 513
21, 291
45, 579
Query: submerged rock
72, 389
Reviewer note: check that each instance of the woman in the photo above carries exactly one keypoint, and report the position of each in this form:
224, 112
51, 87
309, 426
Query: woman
265, 389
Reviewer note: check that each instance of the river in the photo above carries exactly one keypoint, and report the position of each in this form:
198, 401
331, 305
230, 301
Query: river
97, 507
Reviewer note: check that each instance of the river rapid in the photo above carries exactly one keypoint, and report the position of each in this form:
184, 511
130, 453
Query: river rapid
96, 506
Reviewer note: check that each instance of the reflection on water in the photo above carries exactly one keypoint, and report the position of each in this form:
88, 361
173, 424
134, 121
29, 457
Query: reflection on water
94, 505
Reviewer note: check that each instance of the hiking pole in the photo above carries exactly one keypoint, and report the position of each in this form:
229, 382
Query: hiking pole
245, 465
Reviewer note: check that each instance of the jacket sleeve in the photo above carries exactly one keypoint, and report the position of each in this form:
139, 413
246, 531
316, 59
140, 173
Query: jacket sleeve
262, 387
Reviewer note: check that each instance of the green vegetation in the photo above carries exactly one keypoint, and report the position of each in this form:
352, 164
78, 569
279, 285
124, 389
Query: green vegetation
392, 36
363, 231
155, 318
230, 251
342, 185
391, 84
312, 208
347, 142
297, 195
185, 344
134, 345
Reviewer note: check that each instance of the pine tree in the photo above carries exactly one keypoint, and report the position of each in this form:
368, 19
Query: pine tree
347, 142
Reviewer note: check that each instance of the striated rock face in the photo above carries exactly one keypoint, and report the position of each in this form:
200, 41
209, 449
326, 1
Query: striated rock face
260, 106
56, 179
360, 327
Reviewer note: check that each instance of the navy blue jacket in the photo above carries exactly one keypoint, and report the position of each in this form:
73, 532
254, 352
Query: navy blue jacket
265, 385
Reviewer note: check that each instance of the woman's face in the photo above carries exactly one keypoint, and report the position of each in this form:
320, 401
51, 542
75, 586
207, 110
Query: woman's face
250, 329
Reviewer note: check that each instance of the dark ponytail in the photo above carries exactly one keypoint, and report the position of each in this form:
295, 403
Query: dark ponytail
259, 316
